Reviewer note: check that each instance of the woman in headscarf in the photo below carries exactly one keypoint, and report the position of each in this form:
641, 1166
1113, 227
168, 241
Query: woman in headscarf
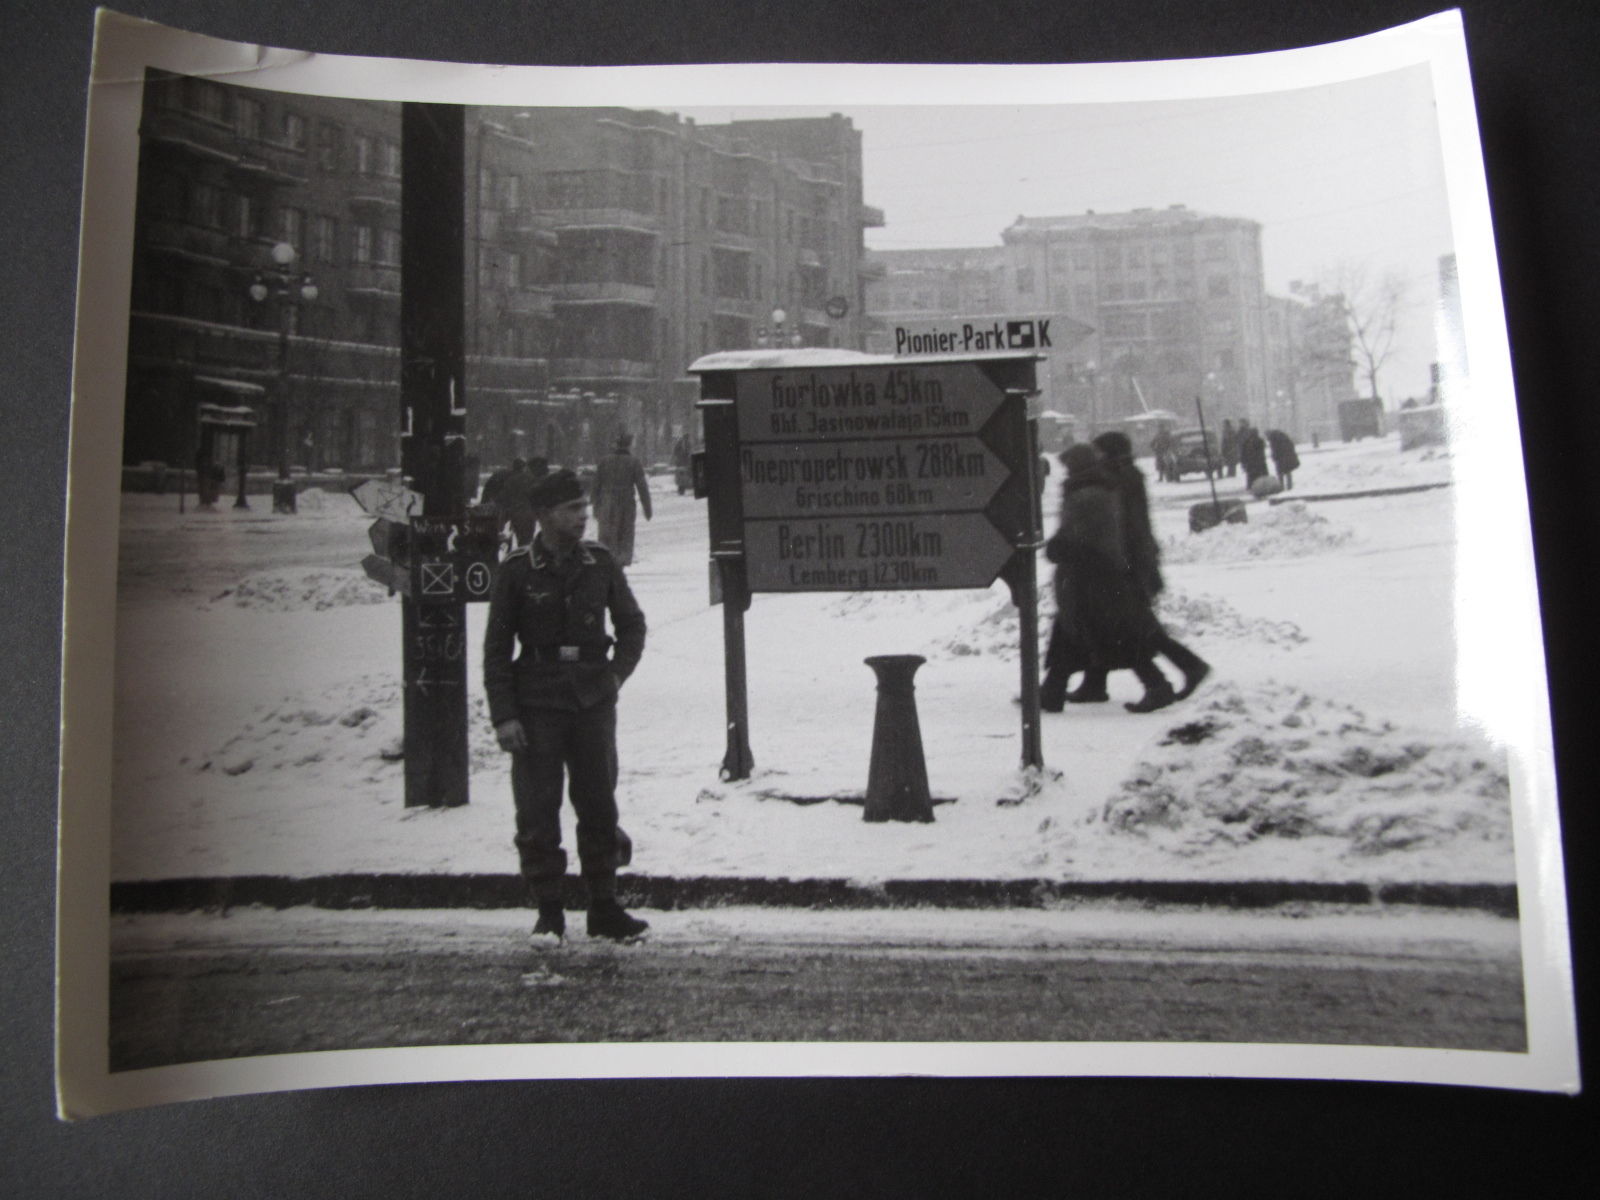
1103, 620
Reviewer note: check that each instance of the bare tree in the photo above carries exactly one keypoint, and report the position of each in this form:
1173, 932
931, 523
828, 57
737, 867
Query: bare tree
1374, 304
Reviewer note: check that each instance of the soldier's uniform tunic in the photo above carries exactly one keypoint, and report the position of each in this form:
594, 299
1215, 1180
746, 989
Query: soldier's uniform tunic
563, 687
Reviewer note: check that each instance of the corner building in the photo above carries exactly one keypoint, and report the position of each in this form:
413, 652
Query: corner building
606, 250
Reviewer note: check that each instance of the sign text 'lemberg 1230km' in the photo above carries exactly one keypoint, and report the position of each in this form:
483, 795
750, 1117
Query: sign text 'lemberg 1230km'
875, 476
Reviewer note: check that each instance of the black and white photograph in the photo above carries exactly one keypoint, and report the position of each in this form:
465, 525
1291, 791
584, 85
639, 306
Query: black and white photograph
798, 571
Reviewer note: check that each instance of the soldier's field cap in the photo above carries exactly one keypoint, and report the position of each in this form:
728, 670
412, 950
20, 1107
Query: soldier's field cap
558, 487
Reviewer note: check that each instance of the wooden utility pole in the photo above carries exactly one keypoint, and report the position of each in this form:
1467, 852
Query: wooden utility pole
432, 441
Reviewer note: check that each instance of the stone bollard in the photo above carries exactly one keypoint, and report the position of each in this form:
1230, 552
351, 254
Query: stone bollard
897, 780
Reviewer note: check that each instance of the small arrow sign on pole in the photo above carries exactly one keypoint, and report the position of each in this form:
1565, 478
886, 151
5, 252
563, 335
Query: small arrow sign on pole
393, 576
382, 498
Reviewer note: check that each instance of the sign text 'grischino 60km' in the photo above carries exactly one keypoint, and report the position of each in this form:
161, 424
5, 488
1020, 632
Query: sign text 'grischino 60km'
882, 475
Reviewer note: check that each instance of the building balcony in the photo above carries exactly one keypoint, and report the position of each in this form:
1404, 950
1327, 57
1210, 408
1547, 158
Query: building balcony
872, 271
626, 220
606, 370
733, 306
808, 256
729, 239
375, 194
529, 302
373, 281
530, 223
605, 293
193, 243
871, 217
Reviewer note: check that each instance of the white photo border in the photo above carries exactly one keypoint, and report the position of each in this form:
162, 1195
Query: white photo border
1501, 680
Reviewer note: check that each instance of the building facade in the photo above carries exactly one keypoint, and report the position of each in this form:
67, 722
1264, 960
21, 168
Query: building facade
606, 250
1175, 300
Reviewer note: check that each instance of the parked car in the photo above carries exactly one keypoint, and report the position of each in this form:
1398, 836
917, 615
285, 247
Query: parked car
1188, 455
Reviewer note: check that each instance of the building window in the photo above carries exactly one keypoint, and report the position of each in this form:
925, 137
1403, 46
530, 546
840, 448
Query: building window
292, 227
361, 243
294, 131
514, 271
1083, 299
324, 238
1219, 287
249, 217
1134, 256
329, 138
1113, 291
1136, 289
1216, 250
511, 193
364, 154
1024, 280
208, 100
247, 117
389, 247
391, 158
1225, 360
207, 200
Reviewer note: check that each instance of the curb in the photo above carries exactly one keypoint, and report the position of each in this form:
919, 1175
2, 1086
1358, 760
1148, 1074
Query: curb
397, 891
1285, 498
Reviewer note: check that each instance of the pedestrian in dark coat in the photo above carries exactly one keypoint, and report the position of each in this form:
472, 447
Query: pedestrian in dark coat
618, 478
1230, 448
1103, 621
1143, 553
1284, 458
1252, 454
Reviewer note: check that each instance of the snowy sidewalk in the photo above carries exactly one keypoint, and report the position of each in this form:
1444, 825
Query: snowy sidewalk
258, 723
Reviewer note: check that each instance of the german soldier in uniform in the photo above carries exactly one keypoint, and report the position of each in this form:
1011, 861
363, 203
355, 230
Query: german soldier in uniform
554, 707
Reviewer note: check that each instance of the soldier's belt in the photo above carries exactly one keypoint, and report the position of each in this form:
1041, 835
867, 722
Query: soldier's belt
568, 654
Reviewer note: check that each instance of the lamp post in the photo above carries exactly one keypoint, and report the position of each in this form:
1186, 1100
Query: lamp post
779, 337
1092, 372
289, 289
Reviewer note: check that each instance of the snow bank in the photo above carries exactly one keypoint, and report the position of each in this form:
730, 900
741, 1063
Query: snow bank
294, 590
1272, 762
1278, 531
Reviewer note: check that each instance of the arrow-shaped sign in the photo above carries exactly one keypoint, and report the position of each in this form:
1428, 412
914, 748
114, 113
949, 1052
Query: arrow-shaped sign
393, 576
902, 399
383, 498
936, 550
812, 479
390, 539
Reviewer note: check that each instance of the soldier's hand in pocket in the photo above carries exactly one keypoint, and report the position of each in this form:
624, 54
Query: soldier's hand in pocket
511, 736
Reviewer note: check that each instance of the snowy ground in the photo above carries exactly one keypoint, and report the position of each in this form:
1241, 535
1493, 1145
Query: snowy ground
258, 714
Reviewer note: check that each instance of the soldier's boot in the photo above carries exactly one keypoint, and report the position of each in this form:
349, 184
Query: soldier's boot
608, 919
550, 930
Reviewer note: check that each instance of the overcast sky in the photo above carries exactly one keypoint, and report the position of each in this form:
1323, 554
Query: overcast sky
1350, 171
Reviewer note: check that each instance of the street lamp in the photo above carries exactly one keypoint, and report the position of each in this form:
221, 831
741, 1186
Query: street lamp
778, 338
290, 289
1092, 372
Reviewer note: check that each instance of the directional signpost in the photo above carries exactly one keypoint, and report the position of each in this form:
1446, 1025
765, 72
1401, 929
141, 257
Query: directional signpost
870, 473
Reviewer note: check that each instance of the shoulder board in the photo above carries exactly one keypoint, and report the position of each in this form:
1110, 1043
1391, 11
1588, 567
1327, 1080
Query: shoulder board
591, 547
520, 552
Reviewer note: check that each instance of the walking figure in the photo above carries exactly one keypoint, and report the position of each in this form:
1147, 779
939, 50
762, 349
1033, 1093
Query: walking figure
1284, 458
618, 478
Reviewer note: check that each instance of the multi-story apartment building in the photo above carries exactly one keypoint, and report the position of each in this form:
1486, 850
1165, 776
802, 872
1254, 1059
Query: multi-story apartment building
1174, 299
606, 250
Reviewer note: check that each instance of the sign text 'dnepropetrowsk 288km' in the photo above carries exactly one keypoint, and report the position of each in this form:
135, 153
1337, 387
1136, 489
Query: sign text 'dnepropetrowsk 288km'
870, 477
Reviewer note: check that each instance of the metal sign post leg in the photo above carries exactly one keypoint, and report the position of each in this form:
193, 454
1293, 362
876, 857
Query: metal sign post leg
738, 762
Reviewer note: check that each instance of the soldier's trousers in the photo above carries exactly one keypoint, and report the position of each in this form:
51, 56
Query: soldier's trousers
578, 749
